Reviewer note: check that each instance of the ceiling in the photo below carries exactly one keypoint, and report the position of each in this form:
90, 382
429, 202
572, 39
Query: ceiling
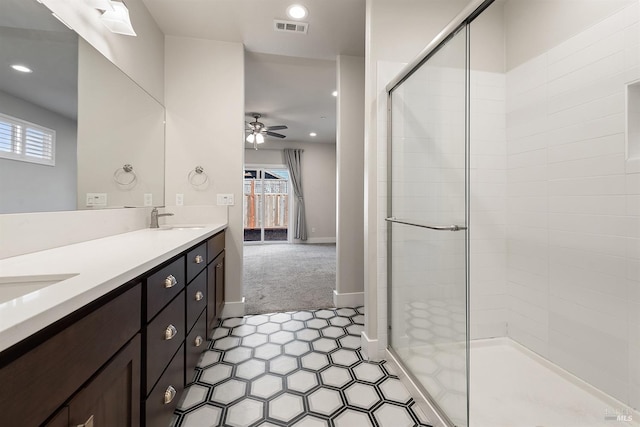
288, 77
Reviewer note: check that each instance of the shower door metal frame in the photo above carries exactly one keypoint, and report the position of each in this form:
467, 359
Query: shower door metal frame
462, 20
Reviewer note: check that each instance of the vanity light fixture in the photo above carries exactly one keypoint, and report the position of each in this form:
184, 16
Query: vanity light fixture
334, 93
297, 11
22, 68
313, 134
118, 20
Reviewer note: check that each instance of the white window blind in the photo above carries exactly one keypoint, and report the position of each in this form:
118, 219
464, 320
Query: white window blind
28, 142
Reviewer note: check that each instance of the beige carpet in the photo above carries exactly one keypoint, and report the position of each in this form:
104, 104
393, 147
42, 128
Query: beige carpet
285, 277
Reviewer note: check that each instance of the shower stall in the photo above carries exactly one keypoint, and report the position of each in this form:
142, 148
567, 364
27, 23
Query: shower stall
513, 215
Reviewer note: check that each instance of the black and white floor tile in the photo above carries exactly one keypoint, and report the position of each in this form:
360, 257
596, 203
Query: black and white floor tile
301, 369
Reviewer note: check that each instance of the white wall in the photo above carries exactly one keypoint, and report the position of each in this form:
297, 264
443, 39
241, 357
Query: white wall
350, 178
30, 187
573, 213
488, 176
533, 27
204, 100
318, 182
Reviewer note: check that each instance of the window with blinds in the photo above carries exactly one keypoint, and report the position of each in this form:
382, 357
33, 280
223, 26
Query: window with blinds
28, 142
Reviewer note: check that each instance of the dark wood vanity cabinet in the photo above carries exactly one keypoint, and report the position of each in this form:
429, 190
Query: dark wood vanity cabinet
124, 359
41, 380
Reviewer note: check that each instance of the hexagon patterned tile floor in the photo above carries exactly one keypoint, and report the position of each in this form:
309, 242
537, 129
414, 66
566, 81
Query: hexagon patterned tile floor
301, 369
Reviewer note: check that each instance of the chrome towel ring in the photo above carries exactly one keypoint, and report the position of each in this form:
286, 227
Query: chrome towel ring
125, 175
198, 177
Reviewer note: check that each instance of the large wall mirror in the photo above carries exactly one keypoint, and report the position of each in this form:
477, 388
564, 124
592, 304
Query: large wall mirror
75, 131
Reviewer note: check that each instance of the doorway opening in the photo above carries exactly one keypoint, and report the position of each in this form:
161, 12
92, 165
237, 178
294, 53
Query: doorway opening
266, 205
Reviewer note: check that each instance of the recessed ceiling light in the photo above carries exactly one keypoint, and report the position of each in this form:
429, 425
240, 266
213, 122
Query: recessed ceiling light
296, 11
334, 93
313, 134
22, 68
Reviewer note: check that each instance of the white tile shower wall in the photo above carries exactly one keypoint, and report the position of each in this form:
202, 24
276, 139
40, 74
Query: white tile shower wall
487, 220
573, 218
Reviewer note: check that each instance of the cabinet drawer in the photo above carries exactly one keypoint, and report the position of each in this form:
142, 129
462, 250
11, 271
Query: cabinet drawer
40, 381
195, 344
161, 402
164, 336
215, 245
164, 285
196, 261
196, 298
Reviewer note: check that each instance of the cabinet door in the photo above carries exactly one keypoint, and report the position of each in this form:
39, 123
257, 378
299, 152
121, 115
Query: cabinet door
219, 285
215, 291
112, 397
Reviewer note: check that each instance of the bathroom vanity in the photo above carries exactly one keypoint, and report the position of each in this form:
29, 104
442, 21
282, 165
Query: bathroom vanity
113, 330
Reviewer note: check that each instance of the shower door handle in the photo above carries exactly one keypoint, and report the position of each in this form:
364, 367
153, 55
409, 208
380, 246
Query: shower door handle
430, 227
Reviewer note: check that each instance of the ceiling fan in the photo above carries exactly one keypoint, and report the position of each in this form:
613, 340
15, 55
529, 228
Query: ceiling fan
257, 131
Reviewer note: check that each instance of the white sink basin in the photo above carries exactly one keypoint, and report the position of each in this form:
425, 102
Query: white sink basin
181, 227
18, 286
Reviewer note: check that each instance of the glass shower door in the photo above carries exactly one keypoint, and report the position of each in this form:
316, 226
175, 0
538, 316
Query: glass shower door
427, 227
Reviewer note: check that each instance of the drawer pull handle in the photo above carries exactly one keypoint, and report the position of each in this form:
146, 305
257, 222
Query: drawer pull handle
199, 296
169, 395
88, 423
198, 341
170, 332
170, 281
199, 259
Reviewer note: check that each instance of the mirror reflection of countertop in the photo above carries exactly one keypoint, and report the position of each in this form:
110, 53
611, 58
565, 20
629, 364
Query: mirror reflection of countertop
80, 273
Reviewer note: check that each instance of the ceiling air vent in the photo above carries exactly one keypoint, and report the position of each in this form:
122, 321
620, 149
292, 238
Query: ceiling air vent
290, 26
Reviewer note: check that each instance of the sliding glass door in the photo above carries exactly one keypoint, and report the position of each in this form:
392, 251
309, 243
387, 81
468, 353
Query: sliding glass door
266, 205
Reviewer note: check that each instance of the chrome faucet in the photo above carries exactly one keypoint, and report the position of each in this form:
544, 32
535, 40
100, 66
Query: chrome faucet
154, 217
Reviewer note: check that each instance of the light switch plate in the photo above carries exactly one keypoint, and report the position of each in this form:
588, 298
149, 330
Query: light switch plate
96, 199
225, 200
148, 199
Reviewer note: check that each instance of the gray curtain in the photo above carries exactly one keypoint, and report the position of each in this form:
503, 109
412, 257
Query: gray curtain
293, 160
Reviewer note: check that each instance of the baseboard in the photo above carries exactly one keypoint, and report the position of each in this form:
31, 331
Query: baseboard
315, 240
354, 299
369, 347
233, 309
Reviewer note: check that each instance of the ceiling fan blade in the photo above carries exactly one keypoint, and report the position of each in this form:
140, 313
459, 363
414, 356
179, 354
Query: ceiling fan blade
279, 127
277, 135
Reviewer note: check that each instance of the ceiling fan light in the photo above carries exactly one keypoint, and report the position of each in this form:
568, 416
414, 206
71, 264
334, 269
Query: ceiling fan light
251, 138
259, 138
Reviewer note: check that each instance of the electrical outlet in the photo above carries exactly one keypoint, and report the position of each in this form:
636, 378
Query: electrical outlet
179, 199
225, 200
96, 199
148, 199
313, 229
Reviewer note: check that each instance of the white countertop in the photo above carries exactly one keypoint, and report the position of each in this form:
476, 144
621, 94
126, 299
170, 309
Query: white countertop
99, 266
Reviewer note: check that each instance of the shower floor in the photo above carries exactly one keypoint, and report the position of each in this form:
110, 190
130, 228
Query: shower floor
513, 387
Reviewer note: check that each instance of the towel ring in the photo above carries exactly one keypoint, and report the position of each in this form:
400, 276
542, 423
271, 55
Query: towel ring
198, 177
119, 175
